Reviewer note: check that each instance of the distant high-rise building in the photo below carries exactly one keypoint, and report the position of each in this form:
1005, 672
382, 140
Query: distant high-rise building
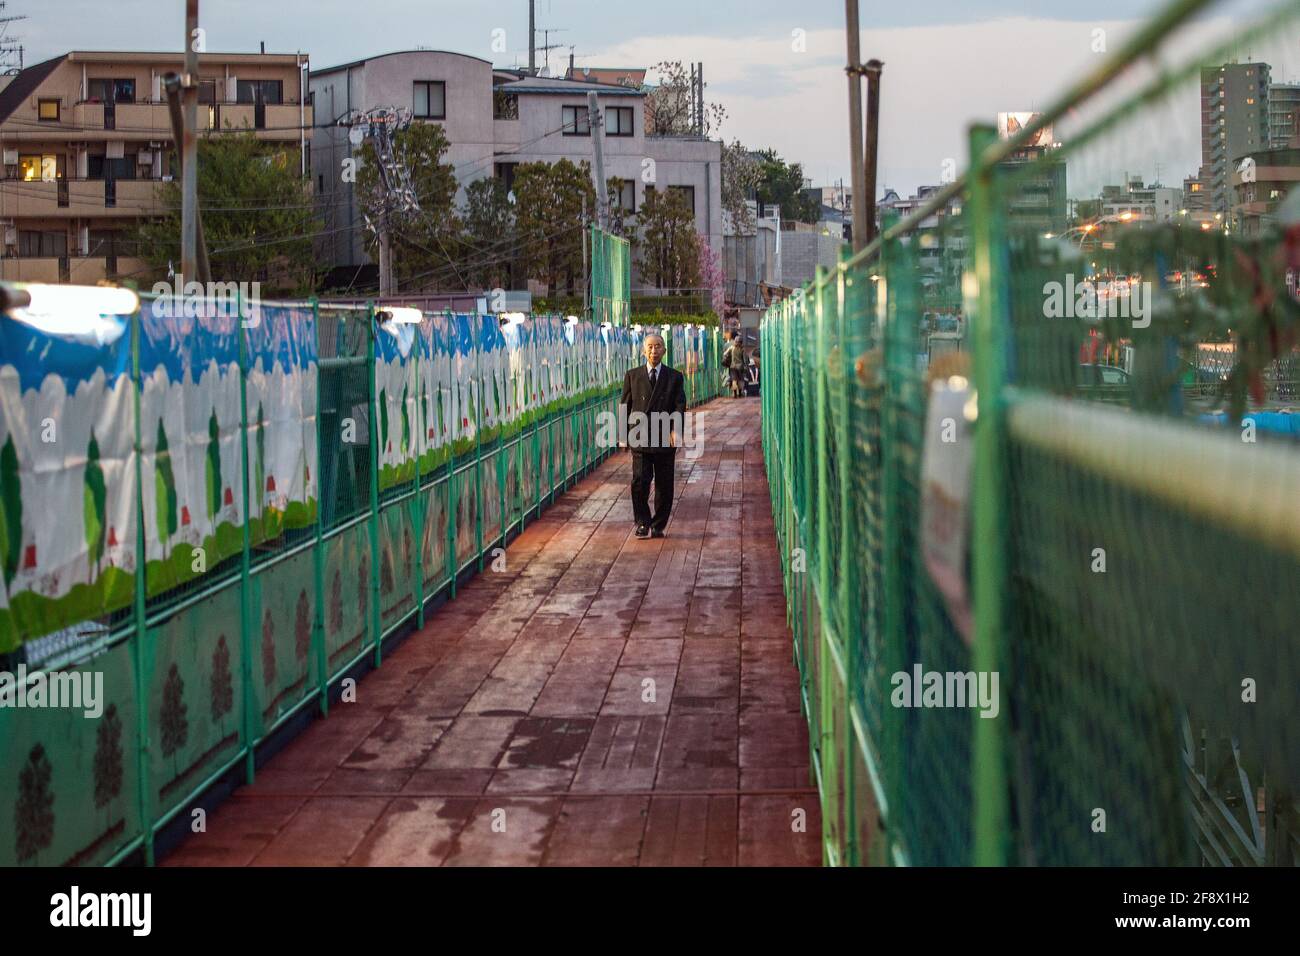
1235, 121
1283, 111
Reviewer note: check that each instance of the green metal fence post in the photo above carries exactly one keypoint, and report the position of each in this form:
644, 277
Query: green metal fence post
373, 524
141, 658
318, 553
849, 627
989, 574
417, 503
245, 570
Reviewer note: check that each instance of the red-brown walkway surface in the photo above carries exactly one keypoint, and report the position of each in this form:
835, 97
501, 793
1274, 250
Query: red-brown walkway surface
518, 727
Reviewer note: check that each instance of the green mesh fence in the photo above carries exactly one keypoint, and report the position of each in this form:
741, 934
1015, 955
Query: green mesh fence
296, 486
1061, 453
611, 278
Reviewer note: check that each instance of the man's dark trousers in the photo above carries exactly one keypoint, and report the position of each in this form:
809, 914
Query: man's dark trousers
659, 466
652, 458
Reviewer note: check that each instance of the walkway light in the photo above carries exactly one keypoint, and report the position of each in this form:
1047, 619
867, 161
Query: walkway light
70, 311
401, 314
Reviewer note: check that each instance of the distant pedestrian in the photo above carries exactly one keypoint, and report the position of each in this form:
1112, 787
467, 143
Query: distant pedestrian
734, 360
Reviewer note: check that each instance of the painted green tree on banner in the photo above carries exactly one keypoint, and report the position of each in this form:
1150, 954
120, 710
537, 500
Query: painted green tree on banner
260, 491
212, 469
34, 809
165, 490
406, 425
173, 720
383, 419
93, 506
11, 512
108, 758
222, 697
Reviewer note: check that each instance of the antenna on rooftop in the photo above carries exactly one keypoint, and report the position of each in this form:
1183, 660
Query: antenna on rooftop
10, 48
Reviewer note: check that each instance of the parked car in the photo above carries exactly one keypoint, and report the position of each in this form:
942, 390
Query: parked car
1104, 383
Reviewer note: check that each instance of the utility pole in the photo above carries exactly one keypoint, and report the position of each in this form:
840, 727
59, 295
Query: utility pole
873, 69
699, 95
532, 37
853, 69
189, 145
597, 124
172, 86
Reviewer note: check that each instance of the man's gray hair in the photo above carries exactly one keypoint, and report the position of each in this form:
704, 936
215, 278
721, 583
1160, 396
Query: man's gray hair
655, 335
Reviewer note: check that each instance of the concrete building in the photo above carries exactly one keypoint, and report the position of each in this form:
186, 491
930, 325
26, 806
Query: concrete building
86, 140
1143, 203
1283, 113
495, 120
1275, 174
1235, 121
752, 263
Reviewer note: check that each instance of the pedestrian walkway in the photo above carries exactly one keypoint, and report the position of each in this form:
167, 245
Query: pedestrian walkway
602, 700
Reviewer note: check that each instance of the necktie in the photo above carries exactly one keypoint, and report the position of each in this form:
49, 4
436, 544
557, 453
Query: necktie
654, 376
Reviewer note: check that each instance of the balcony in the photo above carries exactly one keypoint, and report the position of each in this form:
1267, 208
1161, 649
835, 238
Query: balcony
83, 270
90, 198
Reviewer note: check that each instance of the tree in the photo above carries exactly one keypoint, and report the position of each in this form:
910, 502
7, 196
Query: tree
620, 218
11, 512
669, 110
489, 233
222, 696
782, 184
423, 241
712, 275
553, 204
108, 758
212, 469
34, 808
93, 507
164, 489
668, 247
258, 217
259, 472
741, 176
173, 720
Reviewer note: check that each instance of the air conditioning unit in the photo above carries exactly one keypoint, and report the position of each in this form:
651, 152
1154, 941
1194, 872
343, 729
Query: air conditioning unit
115, 149
11, 157
144, 158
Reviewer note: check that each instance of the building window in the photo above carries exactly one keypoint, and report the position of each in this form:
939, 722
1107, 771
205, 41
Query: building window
506, 173
576, 121
320, 183
36, 167
34, 244
266, 92
505, 106
625, 197
430, 99
207, 92
47, 111
110, 90
618, 121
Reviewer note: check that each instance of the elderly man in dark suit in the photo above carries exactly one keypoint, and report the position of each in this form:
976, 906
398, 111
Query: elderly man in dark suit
658, 393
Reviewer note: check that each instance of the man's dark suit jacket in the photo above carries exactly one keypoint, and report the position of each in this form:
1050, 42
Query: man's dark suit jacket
669, 395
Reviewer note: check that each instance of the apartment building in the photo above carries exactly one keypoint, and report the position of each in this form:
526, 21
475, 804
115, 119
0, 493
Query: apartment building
1235, 121
86, 140
1257, 196
1283, 113
494, 120
1142, 203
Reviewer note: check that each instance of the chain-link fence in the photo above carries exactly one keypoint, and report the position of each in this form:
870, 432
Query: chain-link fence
1036, 491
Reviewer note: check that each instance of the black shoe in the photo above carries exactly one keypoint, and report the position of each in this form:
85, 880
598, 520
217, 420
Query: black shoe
657, 533
642, 531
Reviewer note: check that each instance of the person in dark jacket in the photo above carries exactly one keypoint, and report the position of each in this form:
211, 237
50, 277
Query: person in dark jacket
654, 400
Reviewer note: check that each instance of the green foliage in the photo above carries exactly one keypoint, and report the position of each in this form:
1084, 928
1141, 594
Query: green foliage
424, 243
659, 317
741, 176
488, 241
781, 183
258, 217
668, 251
553, 203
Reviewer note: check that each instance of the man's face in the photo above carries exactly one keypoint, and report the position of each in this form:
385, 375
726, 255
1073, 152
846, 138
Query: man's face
654, 350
